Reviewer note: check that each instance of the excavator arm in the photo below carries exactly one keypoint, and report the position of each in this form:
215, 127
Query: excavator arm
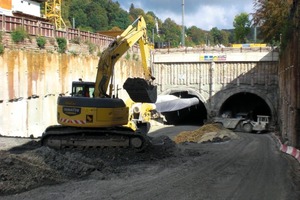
139, 89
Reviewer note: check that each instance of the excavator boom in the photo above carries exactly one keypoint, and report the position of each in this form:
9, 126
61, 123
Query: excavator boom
139, 89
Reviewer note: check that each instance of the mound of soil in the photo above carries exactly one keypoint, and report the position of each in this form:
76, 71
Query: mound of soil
206, 133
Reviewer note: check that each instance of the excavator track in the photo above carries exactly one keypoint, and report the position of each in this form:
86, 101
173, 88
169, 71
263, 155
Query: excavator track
65, 137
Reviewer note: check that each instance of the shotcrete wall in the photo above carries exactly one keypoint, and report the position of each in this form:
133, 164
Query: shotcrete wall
32, 80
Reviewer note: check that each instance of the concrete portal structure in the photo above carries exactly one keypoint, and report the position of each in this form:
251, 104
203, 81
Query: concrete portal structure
224, 81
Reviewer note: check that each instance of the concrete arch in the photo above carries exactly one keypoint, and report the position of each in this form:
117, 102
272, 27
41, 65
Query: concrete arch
190, 91
226, 94
196, 114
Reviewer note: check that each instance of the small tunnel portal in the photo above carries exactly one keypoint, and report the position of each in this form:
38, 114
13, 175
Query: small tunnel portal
245, 104
194, 115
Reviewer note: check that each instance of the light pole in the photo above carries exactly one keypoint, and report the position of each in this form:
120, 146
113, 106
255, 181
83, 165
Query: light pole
183, 34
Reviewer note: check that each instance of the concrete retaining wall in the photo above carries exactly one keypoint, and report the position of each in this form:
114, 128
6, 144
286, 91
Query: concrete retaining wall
31, 82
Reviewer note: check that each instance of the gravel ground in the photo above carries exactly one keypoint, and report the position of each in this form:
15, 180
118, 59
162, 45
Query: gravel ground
245, 167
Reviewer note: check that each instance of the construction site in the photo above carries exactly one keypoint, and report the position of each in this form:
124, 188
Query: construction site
135, 122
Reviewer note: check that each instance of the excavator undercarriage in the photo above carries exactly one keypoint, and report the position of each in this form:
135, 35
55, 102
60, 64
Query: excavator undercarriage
65, 137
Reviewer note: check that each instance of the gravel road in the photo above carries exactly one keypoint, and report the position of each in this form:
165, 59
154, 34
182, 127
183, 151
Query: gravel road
250, 167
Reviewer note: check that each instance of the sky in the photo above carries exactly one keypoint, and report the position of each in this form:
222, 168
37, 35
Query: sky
204, 14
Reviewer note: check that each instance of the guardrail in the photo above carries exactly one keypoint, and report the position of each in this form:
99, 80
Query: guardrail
42, 28
204, 50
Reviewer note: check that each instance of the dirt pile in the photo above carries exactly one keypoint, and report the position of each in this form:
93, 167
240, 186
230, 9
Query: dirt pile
31, 165
206, 133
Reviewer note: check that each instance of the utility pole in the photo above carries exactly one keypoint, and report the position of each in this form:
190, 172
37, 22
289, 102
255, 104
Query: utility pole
183, 31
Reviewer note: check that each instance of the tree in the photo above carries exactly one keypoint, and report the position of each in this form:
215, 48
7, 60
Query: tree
77, 12
216, 35
97, 17
196, 35
271, 17
150, 20
242, 27
64, 11
172, 32
136, 12
116, 15
225, 37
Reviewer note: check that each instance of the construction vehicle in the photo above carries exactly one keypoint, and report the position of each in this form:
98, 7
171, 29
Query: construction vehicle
92, 117
243, 124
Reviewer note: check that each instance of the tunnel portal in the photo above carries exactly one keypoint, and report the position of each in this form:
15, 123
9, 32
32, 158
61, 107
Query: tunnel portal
244, 104
194, 115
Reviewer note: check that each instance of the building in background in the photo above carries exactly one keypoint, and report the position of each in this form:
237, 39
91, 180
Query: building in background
21, 7
6, 7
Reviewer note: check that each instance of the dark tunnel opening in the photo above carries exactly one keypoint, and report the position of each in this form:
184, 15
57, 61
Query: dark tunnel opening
194, 115
245, 104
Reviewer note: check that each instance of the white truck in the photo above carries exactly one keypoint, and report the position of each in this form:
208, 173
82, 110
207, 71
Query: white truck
243, 124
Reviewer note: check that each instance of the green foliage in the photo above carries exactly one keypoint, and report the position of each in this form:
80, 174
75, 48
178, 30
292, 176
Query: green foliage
1, 49
98, 15
135, 12
172, 32
216, 35
86, 29
273, 18
197, 35
62, 44
116, 15
127, 57
135, 57
77, 12
225, 37
242, 27
92, 47
41, 41
19, 35
74, 53
99, 53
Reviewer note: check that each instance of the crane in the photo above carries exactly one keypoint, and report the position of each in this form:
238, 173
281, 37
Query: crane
52, 11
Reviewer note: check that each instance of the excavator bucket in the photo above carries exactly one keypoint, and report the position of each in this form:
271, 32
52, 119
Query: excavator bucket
140, 90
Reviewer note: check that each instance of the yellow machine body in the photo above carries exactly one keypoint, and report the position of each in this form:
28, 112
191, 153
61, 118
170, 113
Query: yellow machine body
92, 116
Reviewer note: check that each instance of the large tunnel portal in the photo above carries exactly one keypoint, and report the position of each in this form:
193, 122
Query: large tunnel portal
243, 104
246, 104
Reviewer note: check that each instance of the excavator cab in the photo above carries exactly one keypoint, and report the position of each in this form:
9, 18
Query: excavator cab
83, 89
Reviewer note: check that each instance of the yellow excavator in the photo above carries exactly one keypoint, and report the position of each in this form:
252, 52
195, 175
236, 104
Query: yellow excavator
92, 117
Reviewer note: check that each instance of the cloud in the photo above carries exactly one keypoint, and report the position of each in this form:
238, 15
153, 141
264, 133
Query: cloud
204, 14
